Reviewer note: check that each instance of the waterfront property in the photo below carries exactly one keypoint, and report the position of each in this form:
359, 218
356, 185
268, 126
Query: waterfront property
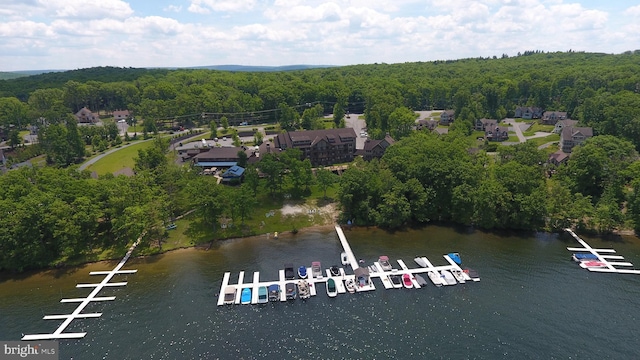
600, 259
337, 280
321, 147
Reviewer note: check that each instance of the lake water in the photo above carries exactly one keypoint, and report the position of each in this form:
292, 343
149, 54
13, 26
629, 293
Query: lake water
532, 303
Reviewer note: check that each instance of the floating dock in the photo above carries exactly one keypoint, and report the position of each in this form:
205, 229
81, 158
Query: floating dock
92, 297
605, 259
363, 276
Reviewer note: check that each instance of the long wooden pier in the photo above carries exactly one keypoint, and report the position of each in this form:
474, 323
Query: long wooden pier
609, 266
374, 271
77, 313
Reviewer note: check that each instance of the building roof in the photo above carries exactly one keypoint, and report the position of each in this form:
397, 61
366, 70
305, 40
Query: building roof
292, 139
233, 172
223, 153
215, 163
121, 113
570, 131
558, 156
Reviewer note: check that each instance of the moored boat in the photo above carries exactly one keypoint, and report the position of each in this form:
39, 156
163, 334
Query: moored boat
435, 278
384, 263
344, 259
579, 257
302, 272
593, 264
316, 269
245, 297
420, 280
274, 292
303, 289
420, 261
458, 275
406, 281
448, 277
396, 281
334, 270
332, 290
229, 295
288, 272
350, 284
455, 257
472, 274
262, 295
290, 289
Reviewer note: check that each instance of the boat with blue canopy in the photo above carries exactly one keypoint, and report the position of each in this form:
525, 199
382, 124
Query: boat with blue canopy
455, 257
579, 257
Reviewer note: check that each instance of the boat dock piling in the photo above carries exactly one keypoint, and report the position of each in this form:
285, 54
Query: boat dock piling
375, 271
92, 297
606, 265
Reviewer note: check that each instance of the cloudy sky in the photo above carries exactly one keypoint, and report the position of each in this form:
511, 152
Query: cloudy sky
72, 34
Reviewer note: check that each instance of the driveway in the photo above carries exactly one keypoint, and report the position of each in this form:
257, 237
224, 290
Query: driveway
357, 123
517, 128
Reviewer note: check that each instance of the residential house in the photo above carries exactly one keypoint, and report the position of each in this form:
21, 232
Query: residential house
121, 115
321, 147
562, 123
376, 148
572, 136
528, 112
552, 117
446, 117
558, 157
426, 124
496, 133
482, 124
85, 116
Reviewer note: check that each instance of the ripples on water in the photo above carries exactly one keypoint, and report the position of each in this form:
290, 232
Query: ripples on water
532, 303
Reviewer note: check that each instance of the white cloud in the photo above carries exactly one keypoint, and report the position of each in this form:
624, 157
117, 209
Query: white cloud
203, 6
633, 11
87, 9
173, 8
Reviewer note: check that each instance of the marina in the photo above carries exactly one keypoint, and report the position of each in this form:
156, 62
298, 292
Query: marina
340, 282
598, 260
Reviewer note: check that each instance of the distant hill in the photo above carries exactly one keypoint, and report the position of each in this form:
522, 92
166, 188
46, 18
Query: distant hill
7, 75
239, 68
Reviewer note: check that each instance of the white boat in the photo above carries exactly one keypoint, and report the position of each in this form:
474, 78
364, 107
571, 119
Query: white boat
420, 261
448, 277
384, 263
263, 297
396, 281
344, 259
372, 268
458, 275
229, 295
350, 284
316, 269
593, 264
303, 289
420, 280
332, 290
435, 278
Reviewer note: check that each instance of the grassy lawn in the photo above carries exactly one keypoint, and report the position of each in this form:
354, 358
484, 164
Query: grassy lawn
120, 159
538, 128
546, 139
513, 138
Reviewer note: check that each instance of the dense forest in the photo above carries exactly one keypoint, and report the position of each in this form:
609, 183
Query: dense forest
55, 213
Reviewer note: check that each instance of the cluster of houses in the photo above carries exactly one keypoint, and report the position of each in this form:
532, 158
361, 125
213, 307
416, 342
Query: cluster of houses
86, 116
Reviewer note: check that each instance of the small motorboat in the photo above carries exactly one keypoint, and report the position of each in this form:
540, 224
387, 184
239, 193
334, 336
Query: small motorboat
472, 274
350, 284
448, 277
384, 263
275, 235
344, 259
302, 272
290, 289
334, 270
274, 292
229, 295
406, 281
288, 272
435, 278
580, 257
332, 290
593, 264
420, 280
459, 275
420, 261
316, 269
372, 268
396, 281
455, 257
245, 297
262, 295
303, 289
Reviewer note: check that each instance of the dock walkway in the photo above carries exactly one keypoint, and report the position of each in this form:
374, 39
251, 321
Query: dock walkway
609, 266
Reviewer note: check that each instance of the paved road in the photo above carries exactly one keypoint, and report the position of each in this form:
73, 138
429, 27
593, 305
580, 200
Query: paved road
516, 127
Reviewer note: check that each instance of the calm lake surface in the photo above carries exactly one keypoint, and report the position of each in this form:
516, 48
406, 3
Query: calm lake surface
532, 303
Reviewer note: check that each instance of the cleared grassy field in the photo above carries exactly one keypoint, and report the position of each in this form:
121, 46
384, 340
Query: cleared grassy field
122, 158
538, 128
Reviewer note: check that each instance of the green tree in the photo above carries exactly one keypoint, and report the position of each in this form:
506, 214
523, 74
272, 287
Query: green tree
213, 126
338, 114
258, 138
325, 179
224, 122
401, 122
